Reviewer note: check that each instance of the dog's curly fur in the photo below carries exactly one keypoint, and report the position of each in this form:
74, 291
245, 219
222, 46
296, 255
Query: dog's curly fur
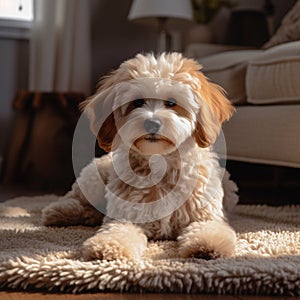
186, 128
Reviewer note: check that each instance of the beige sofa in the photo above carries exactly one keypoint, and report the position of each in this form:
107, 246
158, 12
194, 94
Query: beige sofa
264, 85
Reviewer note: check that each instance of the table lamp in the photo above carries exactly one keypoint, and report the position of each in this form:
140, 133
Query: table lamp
161, 10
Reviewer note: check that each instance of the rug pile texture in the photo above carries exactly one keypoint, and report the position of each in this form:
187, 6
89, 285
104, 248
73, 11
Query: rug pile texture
36, 257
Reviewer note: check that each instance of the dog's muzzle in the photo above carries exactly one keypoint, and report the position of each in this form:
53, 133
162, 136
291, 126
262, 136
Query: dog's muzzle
152, 125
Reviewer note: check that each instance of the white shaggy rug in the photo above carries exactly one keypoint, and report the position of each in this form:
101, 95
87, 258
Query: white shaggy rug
36, 257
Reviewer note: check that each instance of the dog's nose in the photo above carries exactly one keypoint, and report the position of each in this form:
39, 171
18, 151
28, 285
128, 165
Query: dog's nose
152, 125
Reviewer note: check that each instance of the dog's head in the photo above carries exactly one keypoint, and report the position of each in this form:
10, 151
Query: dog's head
153, 104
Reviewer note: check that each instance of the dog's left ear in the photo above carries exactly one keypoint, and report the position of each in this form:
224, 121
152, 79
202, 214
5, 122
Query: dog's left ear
99, 110
215, 108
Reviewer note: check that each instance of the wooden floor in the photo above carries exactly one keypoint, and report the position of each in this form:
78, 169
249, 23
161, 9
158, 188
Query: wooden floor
110, 296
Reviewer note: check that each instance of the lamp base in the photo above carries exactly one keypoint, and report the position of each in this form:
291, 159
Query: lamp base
164, 38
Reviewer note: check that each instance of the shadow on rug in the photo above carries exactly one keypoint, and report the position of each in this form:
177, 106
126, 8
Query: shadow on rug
37, 257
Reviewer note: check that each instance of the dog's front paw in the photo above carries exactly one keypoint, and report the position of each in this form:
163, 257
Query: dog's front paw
207, 240
115, 241
91, 216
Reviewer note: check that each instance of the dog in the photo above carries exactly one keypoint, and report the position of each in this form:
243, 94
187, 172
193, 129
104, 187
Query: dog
161, 179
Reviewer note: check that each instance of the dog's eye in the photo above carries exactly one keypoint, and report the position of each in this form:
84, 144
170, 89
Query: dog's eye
170, 102
139, 102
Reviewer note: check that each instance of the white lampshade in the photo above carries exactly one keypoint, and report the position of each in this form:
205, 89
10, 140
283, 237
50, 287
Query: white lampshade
181, 9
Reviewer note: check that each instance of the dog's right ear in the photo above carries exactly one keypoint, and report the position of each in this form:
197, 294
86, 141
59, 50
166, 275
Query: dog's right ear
99, 110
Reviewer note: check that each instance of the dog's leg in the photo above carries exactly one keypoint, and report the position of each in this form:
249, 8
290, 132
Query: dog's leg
211, 239
74, 208
116, 240
70, 212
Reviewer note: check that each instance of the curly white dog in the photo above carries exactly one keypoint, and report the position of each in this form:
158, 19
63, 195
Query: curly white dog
161, 179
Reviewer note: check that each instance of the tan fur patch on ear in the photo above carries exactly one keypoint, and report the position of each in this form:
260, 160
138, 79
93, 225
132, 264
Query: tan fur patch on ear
215, 97
217, 111
213, 94
102, 102
201, 137
218, 108
107, 134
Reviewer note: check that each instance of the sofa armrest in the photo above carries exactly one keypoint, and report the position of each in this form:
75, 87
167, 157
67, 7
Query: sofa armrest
228, 69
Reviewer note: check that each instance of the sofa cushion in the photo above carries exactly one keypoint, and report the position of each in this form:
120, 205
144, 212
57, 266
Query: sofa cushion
289, 29
264, 134
228, 69
273, 76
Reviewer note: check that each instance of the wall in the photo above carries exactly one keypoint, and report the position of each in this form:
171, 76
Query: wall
114, 38
13, 76
220, 23
281, 7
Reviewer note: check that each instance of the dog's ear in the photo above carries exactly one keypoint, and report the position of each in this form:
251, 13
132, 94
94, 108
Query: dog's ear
215, 108
99, 110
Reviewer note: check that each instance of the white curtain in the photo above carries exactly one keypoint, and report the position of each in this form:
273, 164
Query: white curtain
60, 48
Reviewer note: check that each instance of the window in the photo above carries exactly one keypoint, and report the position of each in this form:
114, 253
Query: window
16, 17
21, 10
